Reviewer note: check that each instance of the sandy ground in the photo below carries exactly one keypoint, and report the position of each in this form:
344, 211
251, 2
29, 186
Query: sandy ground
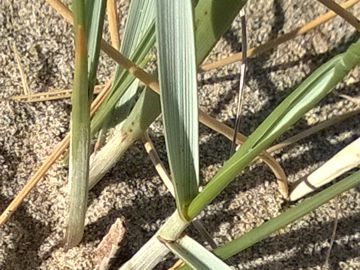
32, 239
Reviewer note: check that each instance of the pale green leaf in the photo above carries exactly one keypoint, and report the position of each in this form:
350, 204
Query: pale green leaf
179, 101
95, 12
124, 81
195, 255
137, 42
150, 107
294, 213
140, 21
302, 99
88, 30
212, 19
291, 215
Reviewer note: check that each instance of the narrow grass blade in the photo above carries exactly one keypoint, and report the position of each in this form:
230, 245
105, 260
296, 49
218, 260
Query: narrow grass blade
212, 19
243, 70
151, 103
266, 229
139, 23
140, 19
195, 255
291, 215
179, 101
79, 137
139, 32
95, 14
88, 29
310, 92
124, 80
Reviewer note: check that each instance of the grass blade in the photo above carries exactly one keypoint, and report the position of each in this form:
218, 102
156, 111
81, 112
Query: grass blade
217, 17
139, 23
287, 217
136, 124
79, 137
95, 14
195, 255
310, 92
243, 70
177, 76
124, 80
266, 229
212, 19
140, 19
139, 32
88, 30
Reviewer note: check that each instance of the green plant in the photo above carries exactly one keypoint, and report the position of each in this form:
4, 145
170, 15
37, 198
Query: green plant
88, 24
185, 32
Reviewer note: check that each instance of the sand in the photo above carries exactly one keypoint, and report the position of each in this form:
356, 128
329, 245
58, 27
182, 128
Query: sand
132, 191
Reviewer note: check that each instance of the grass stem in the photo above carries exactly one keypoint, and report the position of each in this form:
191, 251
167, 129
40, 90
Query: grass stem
79, 133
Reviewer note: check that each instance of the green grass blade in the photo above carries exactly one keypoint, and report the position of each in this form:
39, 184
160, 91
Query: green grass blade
140, 19
177, 77
95, 12
125, 104
123, 82
86, 54
79, 138
266, 229
138, 37
303, 98
195, 255
263, 231
212, 19
146, 109
140, 22
149, 108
